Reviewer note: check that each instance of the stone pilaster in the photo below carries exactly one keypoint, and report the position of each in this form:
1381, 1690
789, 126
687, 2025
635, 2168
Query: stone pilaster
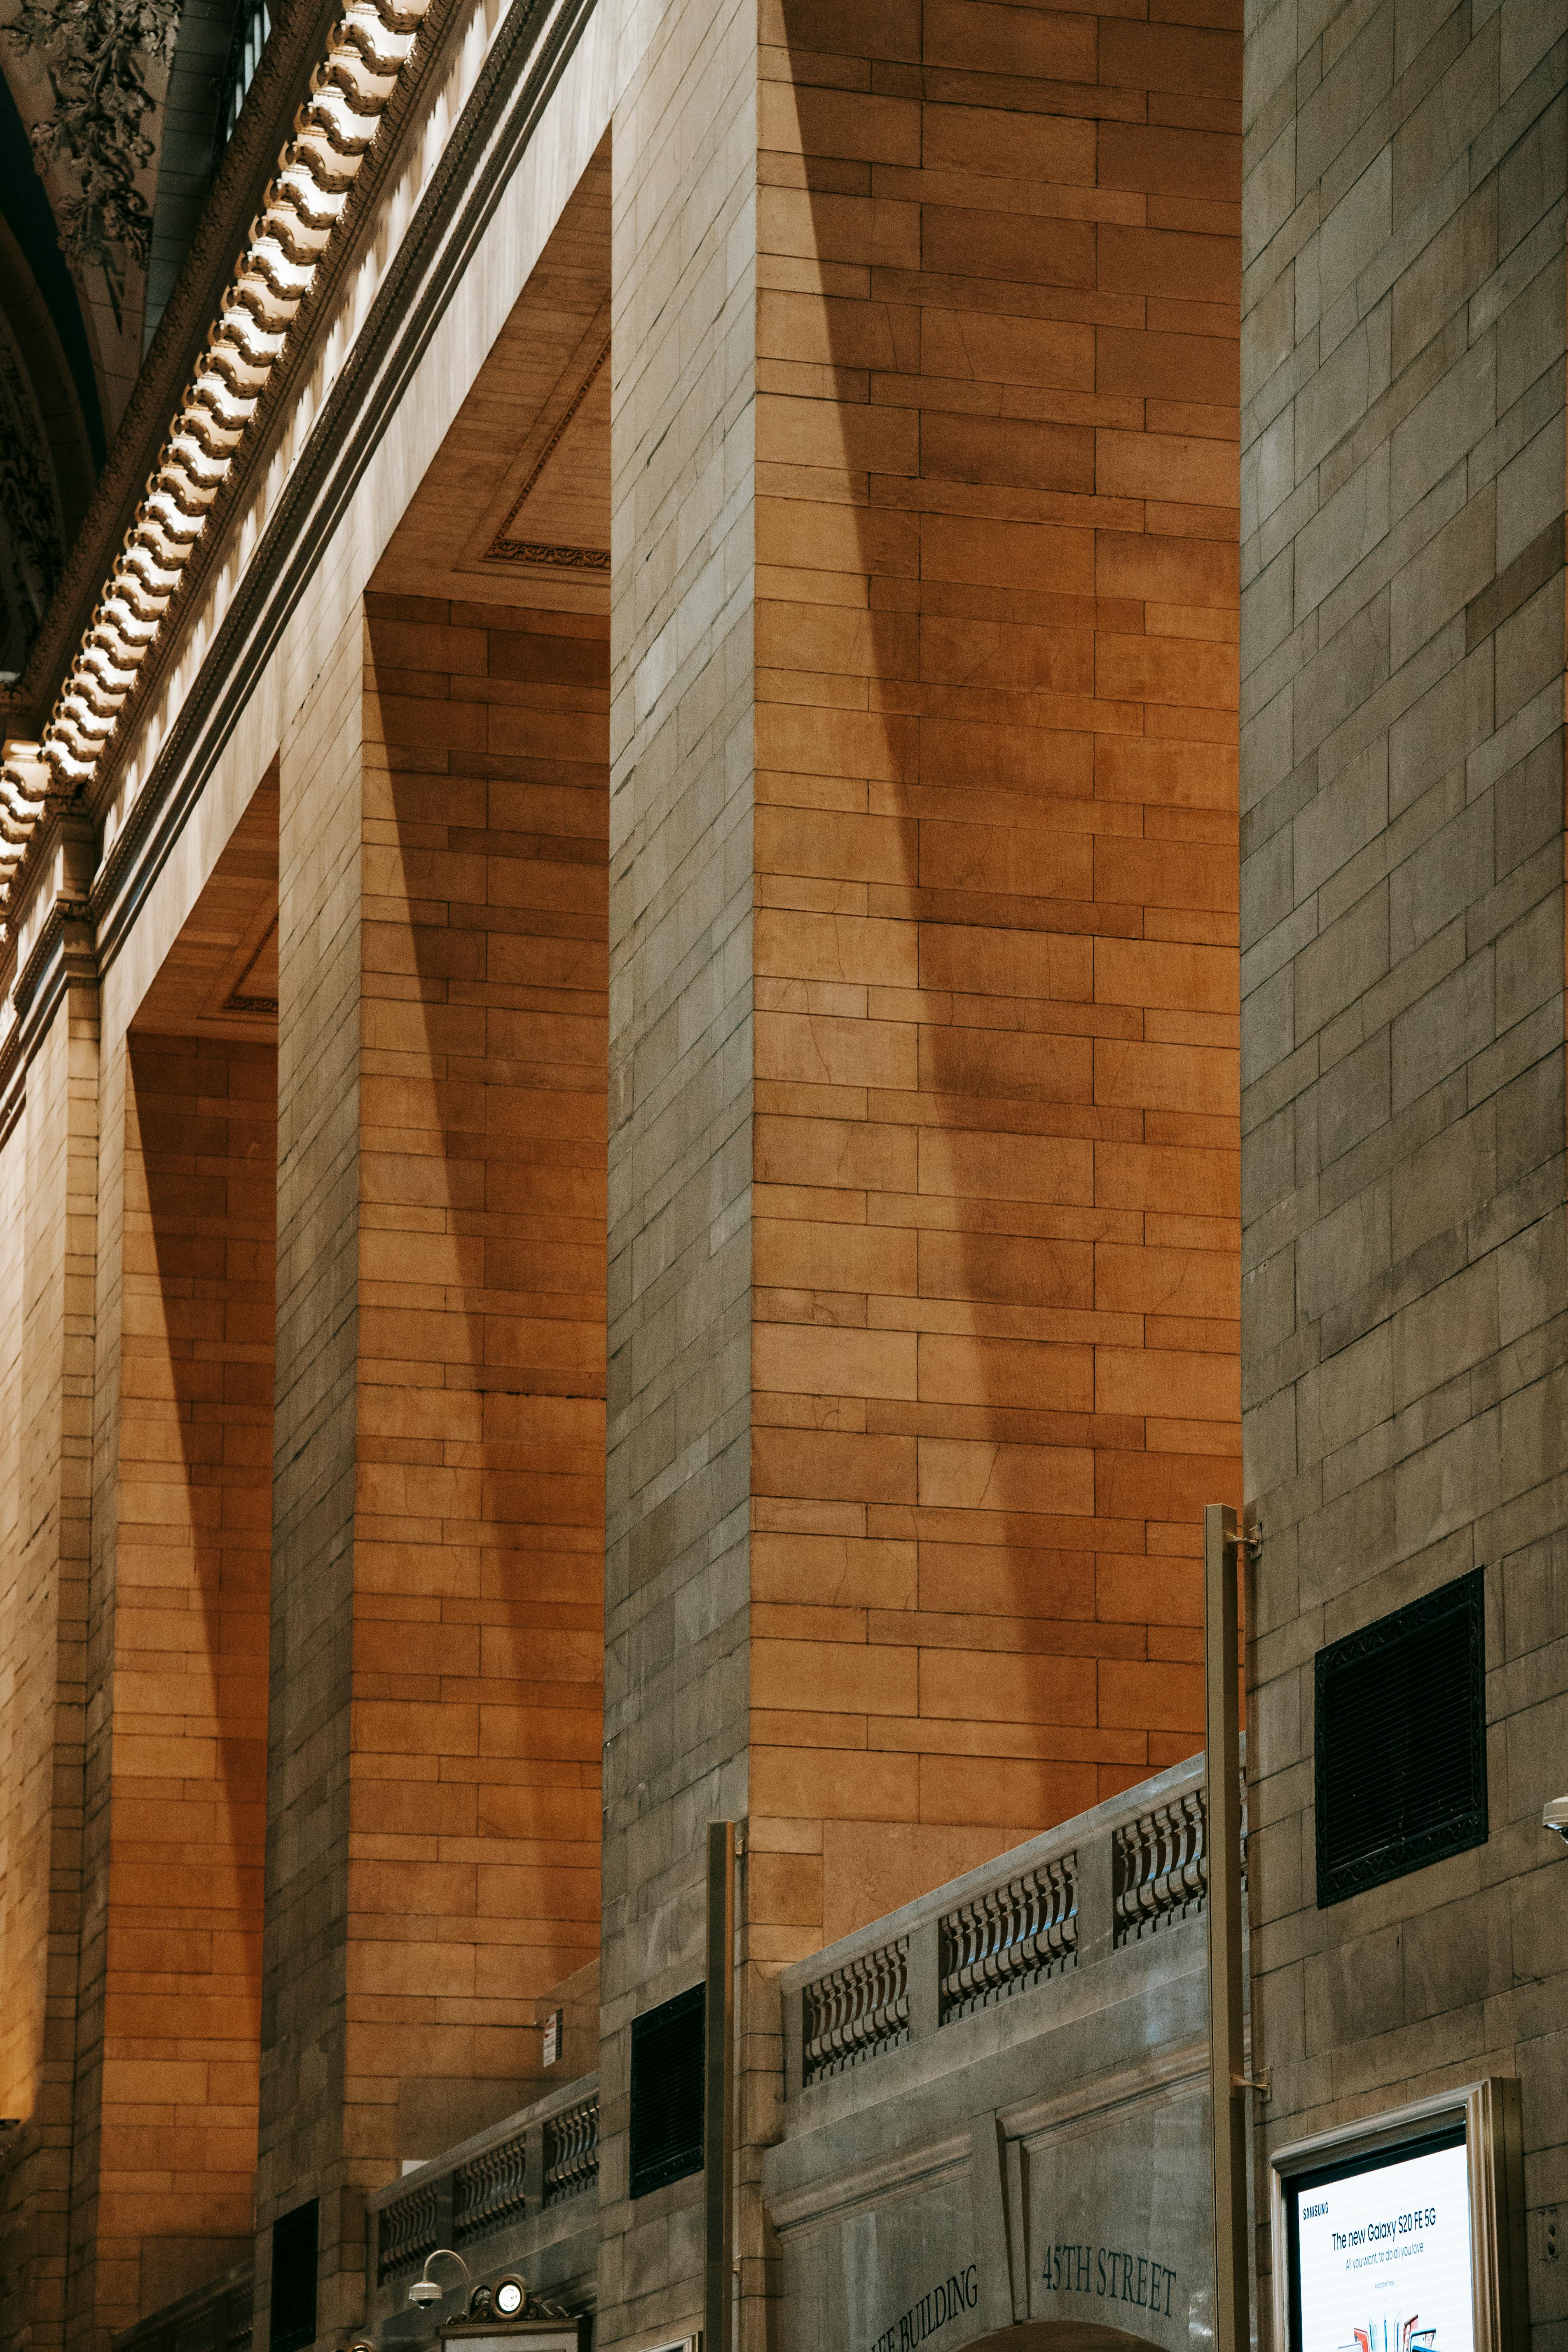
435, 1721
1403, 1015
681, 861
924, 1040
52, 1157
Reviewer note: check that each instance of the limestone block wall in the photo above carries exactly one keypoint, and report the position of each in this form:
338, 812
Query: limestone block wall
311, 1652
21, 2021
435, 1699
515, 1824
1403, 1015
924, 921
25, 1646
996, 1345
479, 1612
679, 1428
53, 1156
169, 2031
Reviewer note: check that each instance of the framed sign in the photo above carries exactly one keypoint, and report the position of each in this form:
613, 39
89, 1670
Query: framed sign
1404, 2232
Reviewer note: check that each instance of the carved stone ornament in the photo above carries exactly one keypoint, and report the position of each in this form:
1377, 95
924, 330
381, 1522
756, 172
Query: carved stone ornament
32, 532
96, 53
333, 130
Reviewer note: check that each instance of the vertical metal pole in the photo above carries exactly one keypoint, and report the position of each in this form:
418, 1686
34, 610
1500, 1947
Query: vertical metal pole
717, 2186
1221, 1718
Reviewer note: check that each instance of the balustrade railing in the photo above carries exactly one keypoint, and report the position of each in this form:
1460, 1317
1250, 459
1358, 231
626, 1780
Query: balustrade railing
1008, 1938
572, 2151
410, 2230
489, 2189
1160, 1864
490, 2184
856, 2011
1100, 1886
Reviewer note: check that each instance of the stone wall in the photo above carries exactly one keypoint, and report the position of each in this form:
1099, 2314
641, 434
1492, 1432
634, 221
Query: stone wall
52, 1161
172, 1943
478, 1545
995, 1351
435, 1730
679, 1432
975, 1047
304, 1959
1403, 1018
532, 1803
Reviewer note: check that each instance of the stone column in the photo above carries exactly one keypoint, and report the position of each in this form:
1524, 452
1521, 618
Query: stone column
435, 1722
304, 1948
677, 1492
51, 1158
169, 2024
924, 976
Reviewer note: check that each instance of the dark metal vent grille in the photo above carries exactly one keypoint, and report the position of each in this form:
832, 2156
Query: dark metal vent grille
667, 2091
294, 2280
1401, 1748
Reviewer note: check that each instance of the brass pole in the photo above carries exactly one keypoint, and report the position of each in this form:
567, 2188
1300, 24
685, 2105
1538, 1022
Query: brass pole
1221, 1718
717, 2186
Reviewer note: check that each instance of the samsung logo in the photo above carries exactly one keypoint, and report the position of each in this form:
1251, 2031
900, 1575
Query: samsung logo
1310, 2212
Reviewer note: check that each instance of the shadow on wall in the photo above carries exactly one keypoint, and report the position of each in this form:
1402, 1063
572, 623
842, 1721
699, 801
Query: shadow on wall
480, 1571
192, 1615
998, 1142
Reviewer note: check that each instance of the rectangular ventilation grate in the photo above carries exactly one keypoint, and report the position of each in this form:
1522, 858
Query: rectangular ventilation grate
293, 2303
667, 2091
1400, 1749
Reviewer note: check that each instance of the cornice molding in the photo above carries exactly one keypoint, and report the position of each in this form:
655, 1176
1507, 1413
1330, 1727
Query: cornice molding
64, 956
332, 131
13, 1101
298, 40
527, 56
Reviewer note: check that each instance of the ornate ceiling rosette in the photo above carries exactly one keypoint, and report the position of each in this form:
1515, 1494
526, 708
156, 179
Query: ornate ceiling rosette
333, 133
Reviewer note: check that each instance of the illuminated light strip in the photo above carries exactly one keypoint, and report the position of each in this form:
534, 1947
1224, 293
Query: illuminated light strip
332, 131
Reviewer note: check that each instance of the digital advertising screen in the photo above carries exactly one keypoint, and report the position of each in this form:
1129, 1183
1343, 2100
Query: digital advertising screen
1380, 2251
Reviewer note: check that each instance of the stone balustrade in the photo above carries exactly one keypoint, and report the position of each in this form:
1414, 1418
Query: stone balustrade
1076, 1895
518, 2196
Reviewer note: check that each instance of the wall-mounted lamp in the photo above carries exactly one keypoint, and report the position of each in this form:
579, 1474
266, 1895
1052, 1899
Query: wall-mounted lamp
1555, 1816
502, 2298
426, 2290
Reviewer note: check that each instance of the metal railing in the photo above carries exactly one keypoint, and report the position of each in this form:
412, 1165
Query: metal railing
1128, 1869
491, 2183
